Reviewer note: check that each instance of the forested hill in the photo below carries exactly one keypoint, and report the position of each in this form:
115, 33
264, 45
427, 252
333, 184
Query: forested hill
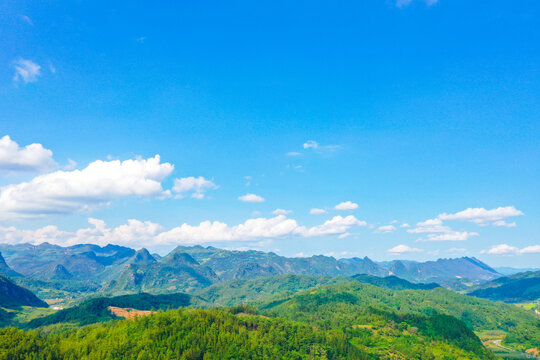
14, 296
514, 288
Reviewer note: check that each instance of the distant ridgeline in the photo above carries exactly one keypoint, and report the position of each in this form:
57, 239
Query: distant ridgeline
64, 272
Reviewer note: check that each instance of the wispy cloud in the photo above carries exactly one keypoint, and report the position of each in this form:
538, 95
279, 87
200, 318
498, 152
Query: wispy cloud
26, 71
403, 3
26, 19
281, 212
316, 211
386, 229
504, 249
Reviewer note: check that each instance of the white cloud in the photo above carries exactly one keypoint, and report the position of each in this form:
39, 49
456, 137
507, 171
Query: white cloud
321, 149
66, 192
401, 249
135, 233
450, 236
533, 249
217, 231
149, 234
198, 186
504, 249
347, 205
251, 198
33, 157
26, 19
405, 225
457, 250
72, 164
436, 231
293, 153
311, 144
403, 3
344, 235
316, 211
504, 223
336, 225
26, 71
386, 228
482, 216
281, 212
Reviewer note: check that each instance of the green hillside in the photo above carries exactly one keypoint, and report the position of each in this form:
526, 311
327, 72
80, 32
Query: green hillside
14, 296
514, 288
96, 310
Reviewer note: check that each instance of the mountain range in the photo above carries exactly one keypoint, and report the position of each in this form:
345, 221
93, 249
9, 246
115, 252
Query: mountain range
69, 272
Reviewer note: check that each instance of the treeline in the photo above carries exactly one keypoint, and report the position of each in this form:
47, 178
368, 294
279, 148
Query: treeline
183, 334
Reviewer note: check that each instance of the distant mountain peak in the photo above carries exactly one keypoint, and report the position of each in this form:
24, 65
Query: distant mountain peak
181, 258
143, 256
60, 272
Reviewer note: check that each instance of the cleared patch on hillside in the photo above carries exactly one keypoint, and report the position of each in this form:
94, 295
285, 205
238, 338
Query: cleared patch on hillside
128, 313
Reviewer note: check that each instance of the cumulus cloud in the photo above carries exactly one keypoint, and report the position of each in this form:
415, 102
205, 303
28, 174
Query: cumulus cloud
386, 228
401, 249
347, 205
505, 249
336, 225
405, 225
316, 211
135, 233
66, 192
482, 216
26, 71
33, 157
251, 198
149, 234
281, 212
196, 185
436, 231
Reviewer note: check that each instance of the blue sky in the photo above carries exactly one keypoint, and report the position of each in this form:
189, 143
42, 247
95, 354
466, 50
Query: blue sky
408, 110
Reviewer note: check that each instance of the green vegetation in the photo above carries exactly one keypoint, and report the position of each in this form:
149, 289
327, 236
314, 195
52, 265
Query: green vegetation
14, 296
515, 288
354, 299
96, 310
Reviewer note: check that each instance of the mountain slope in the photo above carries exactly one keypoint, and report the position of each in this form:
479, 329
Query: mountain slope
393, 282
96, 310
5, 269
176, 272
515, 288
14, 296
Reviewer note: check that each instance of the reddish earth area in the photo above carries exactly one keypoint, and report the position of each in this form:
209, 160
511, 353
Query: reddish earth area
127, 313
